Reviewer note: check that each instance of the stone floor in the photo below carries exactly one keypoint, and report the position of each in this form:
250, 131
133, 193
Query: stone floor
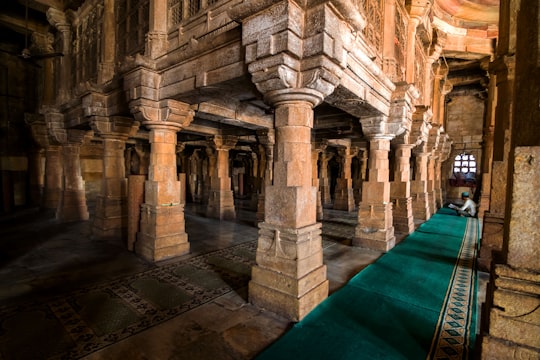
41, 258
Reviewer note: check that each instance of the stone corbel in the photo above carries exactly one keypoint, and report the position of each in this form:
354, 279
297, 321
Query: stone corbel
165, 112
377, 127
115, 126
402, 108
224, 142
57, 18
421, 126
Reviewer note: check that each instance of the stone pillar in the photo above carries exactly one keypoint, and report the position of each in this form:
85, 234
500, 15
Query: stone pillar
419, 136
53, 177
156, 39
37, 158
430, 186
221, 197
391, 65
72, 205
59, 20
375, 228
135, 200
111, 211
419, 190
343, 195
108, 43
514, 323
267, 140
400, 192
324, 180
417, 10
316, 149
162, 233
289, 277
488, 140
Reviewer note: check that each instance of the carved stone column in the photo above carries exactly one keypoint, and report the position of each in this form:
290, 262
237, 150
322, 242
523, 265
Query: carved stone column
375, 228
289, 276
108, 43
324, 180
400, 192
316, 149
156, 42
162, 233
343, 195
417, 10
420, 135
59, 20
221, 198
72, 205
267, 141
110, 215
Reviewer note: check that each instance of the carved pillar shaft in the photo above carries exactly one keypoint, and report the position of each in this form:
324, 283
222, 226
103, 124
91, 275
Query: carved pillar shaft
162, 233
344, 196
375, 228
53, 177
72, 205
400, 190
221, 198
419, 191
324, 180
290, 277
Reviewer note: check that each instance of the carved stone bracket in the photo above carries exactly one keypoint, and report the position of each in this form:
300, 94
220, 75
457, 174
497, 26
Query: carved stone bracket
170, 113
115, 126
377, 127
420, 127
284, 62
402, 109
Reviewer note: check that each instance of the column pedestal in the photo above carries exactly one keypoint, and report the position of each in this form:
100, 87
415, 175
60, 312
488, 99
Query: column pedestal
72, 205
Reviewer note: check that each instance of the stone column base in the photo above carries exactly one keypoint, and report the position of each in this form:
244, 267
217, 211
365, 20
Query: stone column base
420, 205
221, 205
260, 208
514, 321
374, 230
72, 206
492, 240
344, 199
403, 216
162, 234
111, 218
290, 277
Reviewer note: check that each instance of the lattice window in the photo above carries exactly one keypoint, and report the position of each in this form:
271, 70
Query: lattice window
175, 12
400, 40
465, 164
132, 21
420, 70
193, 7
373, 9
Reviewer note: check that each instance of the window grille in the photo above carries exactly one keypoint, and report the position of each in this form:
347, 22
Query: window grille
465, 164
373, 9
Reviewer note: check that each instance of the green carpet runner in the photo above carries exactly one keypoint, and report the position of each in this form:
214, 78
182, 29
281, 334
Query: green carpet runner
416, 302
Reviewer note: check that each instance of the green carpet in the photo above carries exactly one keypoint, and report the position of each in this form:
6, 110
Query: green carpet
416, 302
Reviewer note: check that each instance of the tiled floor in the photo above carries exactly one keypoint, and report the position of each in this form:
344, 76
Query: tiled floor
41, 258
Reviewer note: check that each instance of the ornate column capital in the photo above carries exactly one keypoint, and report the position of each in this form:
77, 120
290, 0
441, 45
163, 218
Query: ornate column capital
164, 113
224, 142
58, 19
377, 127
118, 127
421, 126
280, 53
402, 109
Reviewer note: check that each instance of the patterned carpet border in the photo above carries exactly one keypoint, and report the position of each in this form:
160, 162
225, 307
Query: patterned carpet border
452, 335
231, 268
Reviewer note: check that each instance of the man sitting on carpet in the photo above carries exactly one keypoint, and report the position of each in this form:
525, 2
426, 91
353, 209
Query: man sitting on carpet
469, 207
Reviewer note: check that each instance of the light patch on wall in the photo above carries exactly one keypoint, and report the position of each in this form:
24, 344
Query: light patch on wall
13, 163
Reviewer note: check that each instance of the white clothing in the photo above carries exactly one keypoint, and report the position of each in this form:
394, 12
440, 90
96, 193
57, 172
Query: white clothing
469, 205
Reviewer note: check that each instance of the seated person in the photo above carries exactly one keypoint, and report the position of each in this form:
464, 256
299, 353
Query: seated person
468, 208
